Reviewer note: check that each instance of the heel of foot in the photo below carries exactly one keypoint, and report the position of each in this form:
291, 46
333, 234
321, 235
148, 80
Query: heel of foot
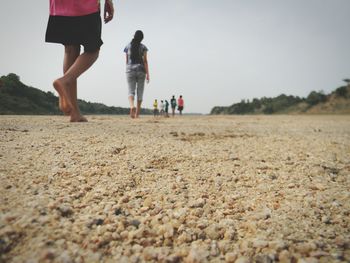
132, 112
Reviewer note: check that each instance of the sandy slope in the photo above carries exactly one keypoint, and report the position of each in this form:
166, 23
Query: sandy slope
191, 189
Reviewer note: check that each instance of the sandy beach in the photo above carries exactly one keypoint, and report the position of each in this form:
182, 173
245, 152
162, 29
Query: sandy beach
183, 189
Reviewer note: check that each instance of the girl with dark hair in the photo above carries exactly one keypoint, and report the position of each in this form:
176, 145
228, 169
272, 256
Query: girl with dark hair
136, 71
75, 23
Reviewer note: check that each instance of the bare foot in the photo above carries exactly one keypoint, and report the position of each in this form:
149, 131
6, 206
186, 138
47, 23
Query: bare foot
137, 113
132, 112
78, 118
65, 104
62, 105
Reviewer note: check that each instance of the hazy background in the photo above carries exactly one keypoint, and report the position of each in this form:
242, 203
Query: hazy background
211, 52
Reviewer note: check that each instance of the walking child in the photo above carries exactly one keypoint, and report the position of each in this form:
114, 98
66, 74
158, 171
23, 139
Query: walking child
75, 23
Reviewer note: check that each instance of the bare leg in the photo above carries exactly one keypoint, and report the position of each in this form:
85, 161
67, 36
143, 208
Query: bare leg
70, 56
66, 85
132, 107
71, 53
138, 108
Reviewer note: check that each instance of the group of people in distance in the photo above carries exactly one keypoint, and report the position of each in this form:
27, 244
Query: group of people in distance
78, 23
163, 109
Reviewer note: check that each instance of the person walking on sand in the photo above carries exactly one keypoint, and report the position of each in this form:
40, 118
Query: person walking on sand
173, 105
161, 108
166, 108
180, 103
155, 108
136, 71
75, 23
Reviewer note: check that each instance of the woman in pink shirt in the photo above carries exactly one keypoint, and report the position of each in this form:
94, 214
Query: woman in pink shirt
74, 23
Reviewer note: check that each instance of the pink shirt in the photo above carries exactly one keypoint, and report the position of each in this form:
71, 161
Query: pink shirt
73, 7
180, 102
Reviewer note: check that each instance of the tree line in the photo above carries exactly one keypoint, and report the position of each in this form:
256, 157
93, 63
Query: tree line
17, 98
282, 103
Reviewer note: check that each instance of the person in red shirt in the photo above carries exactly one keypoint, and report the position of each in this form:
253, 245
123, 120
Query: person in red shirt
180, 103
72, 24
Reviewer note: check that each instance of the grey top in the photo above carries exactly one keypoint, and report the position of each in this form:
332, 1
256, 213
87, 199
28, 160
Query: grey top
134, 67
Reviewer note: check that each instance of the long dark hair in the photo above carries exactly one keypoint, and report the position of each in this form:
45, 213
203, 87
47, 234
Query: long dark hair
136, 56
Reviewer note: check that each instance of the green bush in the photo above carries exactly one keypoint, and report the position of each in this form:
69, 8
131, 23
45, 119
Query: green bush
342, 91
316, 97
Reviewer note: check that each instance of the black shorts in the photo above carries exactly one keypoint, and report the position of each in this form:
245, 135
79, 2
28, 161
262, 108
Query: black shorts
76, 30
180, 108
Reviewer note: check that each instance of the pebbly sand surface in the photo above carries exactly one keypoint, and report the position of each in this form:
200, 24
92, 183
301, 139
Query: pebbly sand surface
189, 189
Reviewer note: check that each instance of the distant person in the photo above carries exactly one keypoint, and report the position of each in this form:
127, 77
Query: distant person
166, 108
180, 103
161, 108
75, 23
173, 105
136, 71
155, 108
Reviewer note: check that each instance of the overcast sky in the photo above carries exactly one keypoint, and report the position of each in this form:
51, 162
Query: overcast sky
211, 52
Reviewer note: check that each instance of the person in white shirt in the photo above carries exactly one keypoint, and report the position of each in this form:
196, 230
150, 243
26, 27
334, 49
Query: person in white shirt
161, 107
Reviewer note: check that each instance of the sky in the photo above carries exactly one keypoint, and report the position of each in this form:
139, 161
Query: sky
214, 53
